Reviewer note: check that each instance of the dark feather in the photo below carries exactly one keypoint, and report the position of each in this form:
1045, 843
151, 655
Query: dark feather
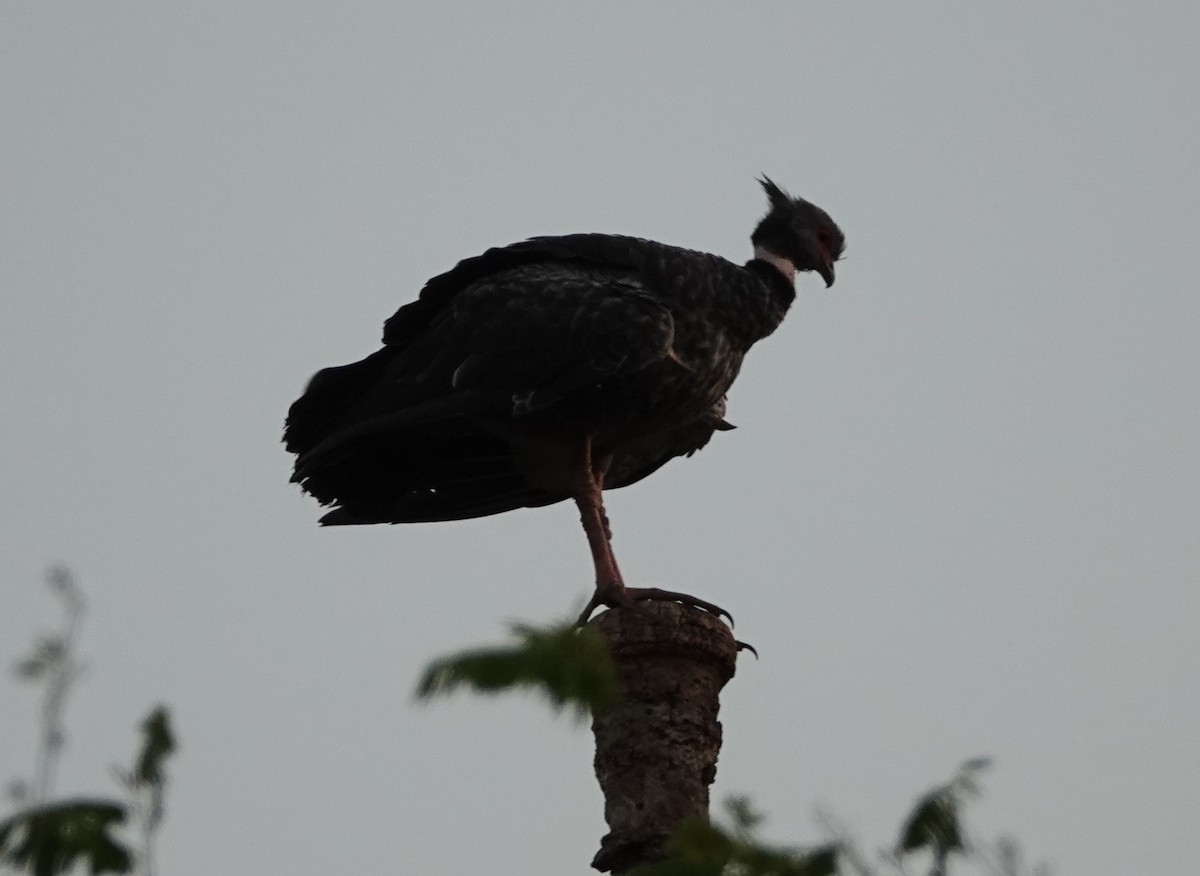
507, 359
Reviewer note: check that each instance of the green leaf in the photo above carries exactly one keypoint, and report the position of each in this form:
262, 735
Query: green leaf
966, 782
763, 861
48, 840
157, 743
699, 842
699, 848
744, 817
975, 764
47, 654
934, 824
60, 579
29, 668
568, 665
821, 861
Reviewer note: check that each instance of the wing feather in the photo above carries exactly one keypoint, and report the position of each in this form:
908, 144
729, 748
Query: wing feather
400, 436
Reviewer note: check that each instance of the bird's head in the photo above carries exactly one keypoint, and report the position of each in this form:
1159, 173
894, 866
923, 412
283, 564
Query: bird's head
797, 236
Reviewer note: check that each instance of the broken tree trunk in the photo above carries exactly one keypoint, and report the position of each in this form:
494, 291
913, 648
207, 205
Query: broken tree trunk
656, 750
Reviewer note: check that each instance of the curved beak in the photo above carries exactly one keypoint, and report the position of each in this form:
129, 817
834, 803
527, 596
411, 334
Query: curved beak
826, 272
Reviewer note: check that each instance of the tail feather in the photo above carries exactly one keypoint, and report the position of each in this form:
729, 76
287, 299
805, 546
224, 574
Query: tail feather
445, 504
330, 393
445, 470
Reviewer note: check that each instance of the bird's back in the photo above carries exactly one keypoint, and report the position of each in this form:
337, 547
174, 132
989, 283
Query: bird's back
631, 341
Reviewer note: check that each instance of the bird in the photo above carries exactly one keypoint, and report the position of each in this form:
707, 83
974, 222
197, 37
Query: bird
551, 369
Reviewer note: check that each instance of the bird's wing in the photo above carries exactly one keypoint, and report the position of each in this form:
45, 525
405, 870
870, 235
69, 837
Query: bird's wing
510, 344
444, 329
405, 421
542, 332
642, 457
601, 250
317, 413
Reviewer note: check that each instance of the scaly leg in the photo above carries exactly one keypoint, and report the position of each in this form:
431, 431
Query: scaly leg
587, 486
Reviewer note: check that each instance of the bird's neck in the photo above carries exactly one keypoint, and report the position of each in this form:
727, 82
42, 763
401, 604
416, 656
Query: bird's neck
784, 266
775, 291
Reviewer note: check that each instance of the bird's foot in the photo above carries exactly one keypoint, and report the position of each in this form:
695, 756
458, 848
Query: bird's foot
643, 594
616, 595
611, 595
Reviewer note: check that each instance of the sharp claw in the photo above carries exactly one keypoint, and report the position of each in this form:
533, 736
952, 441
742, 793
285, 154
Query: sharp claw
622, 597
586, 614
711, 609
645, 593
746, 646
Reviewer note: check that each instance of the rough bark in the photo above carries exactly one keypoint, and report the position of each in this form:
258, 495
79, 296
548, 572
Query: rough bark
656, 750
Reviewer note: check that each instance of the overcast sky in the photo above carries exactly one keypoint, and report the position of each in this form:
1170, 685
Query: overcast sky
958, 516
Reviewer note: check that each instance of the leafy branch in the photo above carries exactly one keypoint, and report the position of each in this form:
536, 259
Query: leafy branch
934, 823
147, 781
572, 667
569, 666
701, 848
48, 838
54, 663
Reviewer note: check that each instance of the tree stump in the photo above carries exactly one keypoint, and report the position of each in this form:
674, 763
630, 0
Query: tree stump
656, 750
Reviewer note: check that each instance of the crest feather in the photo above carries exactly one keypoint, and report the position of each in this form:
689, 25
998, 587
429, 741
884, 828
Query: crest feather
777, 196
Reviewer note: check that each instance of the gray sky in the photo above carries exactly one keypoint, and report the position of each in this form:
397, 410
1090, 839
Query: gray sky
958, 517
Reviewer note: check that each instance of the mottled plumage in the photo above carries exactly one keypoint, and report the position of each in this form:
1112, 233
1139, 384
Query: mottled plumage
546, 370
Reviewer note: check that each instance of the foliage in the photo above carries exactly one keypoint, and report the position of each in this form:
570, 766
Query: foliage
50, 839
48, 653
934, 824
572, 667
147, 781
569, 665
700, 848
932, 831
53, 664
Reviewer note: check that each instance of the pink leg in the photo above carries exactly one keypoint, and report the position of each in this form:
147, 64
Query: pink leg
587, 487
588, 483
